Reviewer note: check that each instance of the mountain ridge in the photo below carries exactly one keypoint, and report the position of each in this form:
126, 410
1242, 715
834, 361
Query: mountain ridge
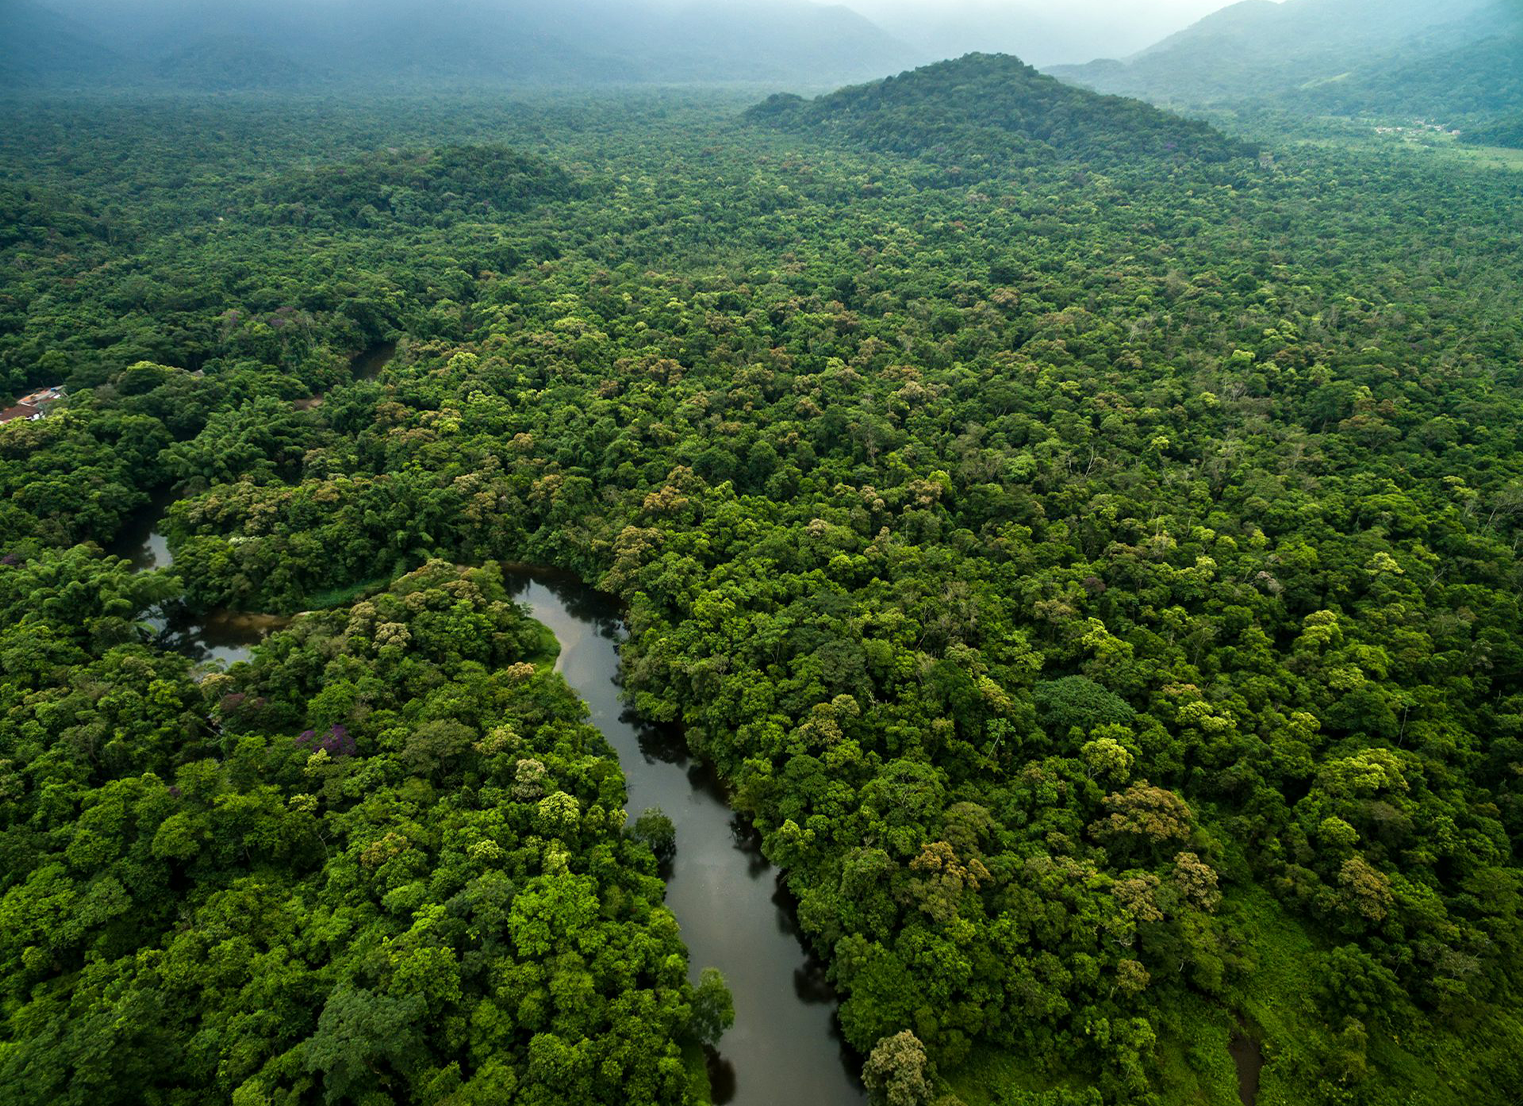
387, 43
1330, 56
39, 45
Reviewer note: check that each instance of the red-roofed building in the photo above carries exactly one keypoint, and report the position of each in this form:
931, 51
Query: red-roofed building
33, 406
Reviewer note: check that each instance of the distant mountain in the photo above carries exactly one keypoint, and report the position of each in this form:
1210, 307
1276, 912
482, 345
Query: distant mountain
790, 40
229, 62
1042, 32
40, 47
1479, 81
405, 42
283, 43
994, 111
1357, 56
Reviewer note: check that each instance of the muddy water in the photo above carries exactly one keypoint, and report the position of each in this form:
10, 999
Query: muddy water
364, 366
368, 365
735, 915
1249, 1060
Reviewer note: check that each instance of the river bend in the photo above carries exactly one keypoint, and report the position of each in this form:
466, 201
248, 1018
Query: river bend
785, 1049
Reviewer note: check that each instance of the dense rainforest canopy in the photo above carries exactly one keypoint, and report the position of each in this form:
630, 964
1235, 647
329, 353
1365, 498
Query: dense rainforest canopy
1088, 547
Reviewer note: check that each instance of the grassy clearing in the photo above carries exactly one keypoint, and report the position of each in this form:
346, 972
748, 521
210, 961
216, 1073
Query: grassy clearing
1442, 147
989, 1075
1273, 997
1430, 1063
546, 650
1487, 157
1195, 1068
344, 596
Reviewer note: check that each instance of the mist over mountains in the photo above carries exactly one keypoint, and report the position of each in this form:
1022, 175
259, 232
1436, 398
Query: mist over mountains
1460, 60
987, 113
284, 43
1458, 63
1041, 32
240, 43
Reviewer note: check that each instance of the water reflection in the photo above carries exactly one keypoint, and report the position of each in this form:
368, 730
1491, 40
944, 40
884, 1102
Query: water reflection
1248, 1058
216, 635
140, 541
219, 634
735, 912
368, 365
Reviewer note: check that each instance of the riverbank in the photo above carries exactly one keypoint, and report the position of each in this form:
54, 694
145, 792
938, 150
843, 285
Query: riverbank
734, 912
222, 634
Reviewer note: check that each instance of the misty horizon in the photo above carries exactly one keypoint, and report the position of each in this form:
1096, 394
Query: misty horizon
796, 42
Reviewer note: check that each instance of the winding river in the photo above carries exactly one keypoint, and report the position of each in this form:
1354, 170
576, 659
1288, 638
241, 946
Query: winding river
785, 1047
735, 914
217, 635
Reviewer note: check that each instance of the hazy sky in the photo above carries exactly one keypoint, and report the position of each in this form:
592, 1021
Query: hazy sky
1043, 32
1179, 10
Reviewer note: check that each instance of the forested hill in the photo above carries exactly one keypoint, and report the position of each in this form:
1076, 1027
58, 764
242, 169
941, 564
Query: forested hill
39, 47
1457, 61
1100, 590
418, 187
994, 110
1476, 87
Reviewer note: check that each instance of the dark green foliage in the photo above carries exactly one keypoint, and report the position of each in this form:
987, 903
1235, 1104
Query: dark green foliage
713, 1009
421, 187
328, 875
994, 111
1078, 701
1096, 578
655, 830
1504, 132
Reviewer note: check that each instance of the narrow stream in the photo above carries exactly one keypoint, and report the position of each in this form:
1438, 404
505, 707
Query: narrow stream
217, 635
367, 365
1248, 1058
784, 1049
